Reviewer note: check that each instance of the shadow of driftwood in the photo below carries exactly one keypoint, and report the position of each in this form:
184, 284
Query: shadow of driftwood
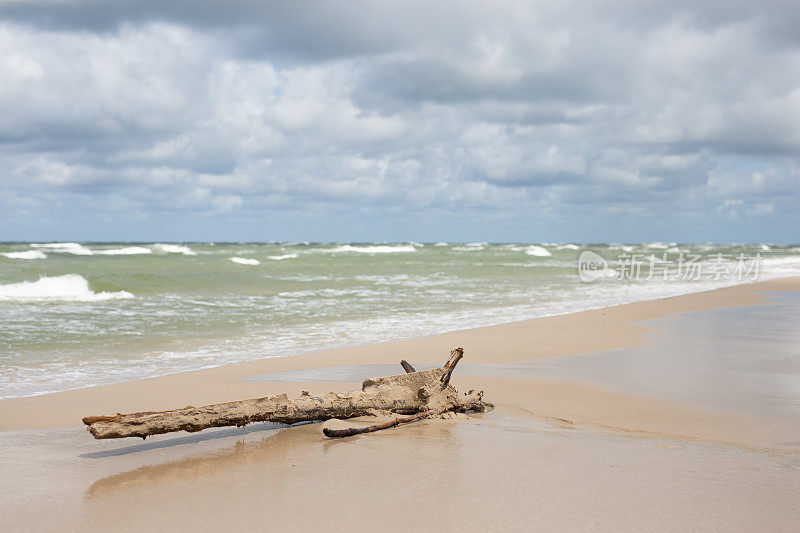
188, 439
272, 445
293, 445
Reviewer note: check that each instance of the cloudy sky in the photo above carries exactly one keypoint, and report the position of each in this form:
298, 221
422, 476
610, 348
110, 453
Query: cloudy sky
499, 121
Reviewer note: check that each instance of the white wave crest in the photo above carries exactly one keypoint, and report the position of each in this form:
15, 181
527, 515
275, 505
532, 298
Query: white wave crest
245, 261
523, 265
27, 254
281, 257
65, 248
173, 249
403, 248
441, 243
128, 250
69, 287
567, 247
537, 251
470, 247
775, 267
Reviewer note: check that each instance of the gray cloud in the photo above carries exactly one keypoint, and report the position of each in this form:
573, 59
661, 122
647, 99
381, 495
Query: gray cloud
362, 112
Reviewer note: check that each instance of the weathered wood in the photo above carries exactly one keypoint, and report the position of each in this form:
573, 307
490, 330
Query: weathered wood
455, 357
407, 367
472, 401
410, 393
349, 432
450, 365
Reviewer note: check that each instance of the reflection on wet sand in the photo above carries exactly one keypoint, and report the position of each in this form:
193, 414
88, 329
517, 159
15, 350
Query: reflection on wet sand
483, 471
271, 446
182, 440
735, 359
287, 448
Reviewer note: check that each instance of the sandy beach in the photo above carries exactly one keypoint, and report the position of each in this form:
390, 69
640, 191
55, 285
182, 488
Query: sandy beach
569, 445
399, 266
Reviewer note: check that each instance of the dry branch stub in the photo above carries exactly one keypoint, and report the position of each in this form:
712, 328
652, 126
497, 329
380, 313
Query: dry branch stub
407, 366
422, 394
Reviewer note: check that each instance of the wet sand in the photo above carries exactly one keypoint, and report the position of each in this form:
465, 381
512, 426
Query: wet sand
576, 447
506, 471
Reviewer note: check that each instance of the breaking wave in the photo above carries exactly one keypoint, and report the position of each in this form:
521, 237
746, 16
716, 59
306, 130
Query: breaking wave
537, 251
245, 261
65, 248
403, 248
28, 254
69, 287
174, 249
128, 250
471, 247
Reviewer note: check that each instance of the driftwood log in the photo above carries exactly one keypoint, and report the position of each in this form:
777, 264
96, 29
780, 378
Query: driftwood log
420, 394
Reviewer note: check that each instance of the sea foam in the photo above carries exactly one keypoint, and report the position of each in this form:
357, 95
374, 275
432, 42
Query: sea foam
69, 287
245, 261
128, 250
404, 248
537, 251
65, 247
174, 249
471, 247
28, 254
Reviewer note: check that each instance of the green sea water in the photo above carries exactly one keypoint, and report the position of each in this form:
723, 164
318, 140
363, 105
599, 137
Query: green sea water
80, 314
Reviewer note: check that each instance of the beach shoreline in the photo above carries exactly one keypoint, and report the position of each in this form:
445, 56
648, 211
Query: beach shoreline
103, 314
589, 331
553, 453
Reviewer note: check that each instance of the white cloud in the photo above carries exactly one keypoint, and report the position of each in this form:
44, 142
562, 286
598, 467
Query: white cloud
506, 107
